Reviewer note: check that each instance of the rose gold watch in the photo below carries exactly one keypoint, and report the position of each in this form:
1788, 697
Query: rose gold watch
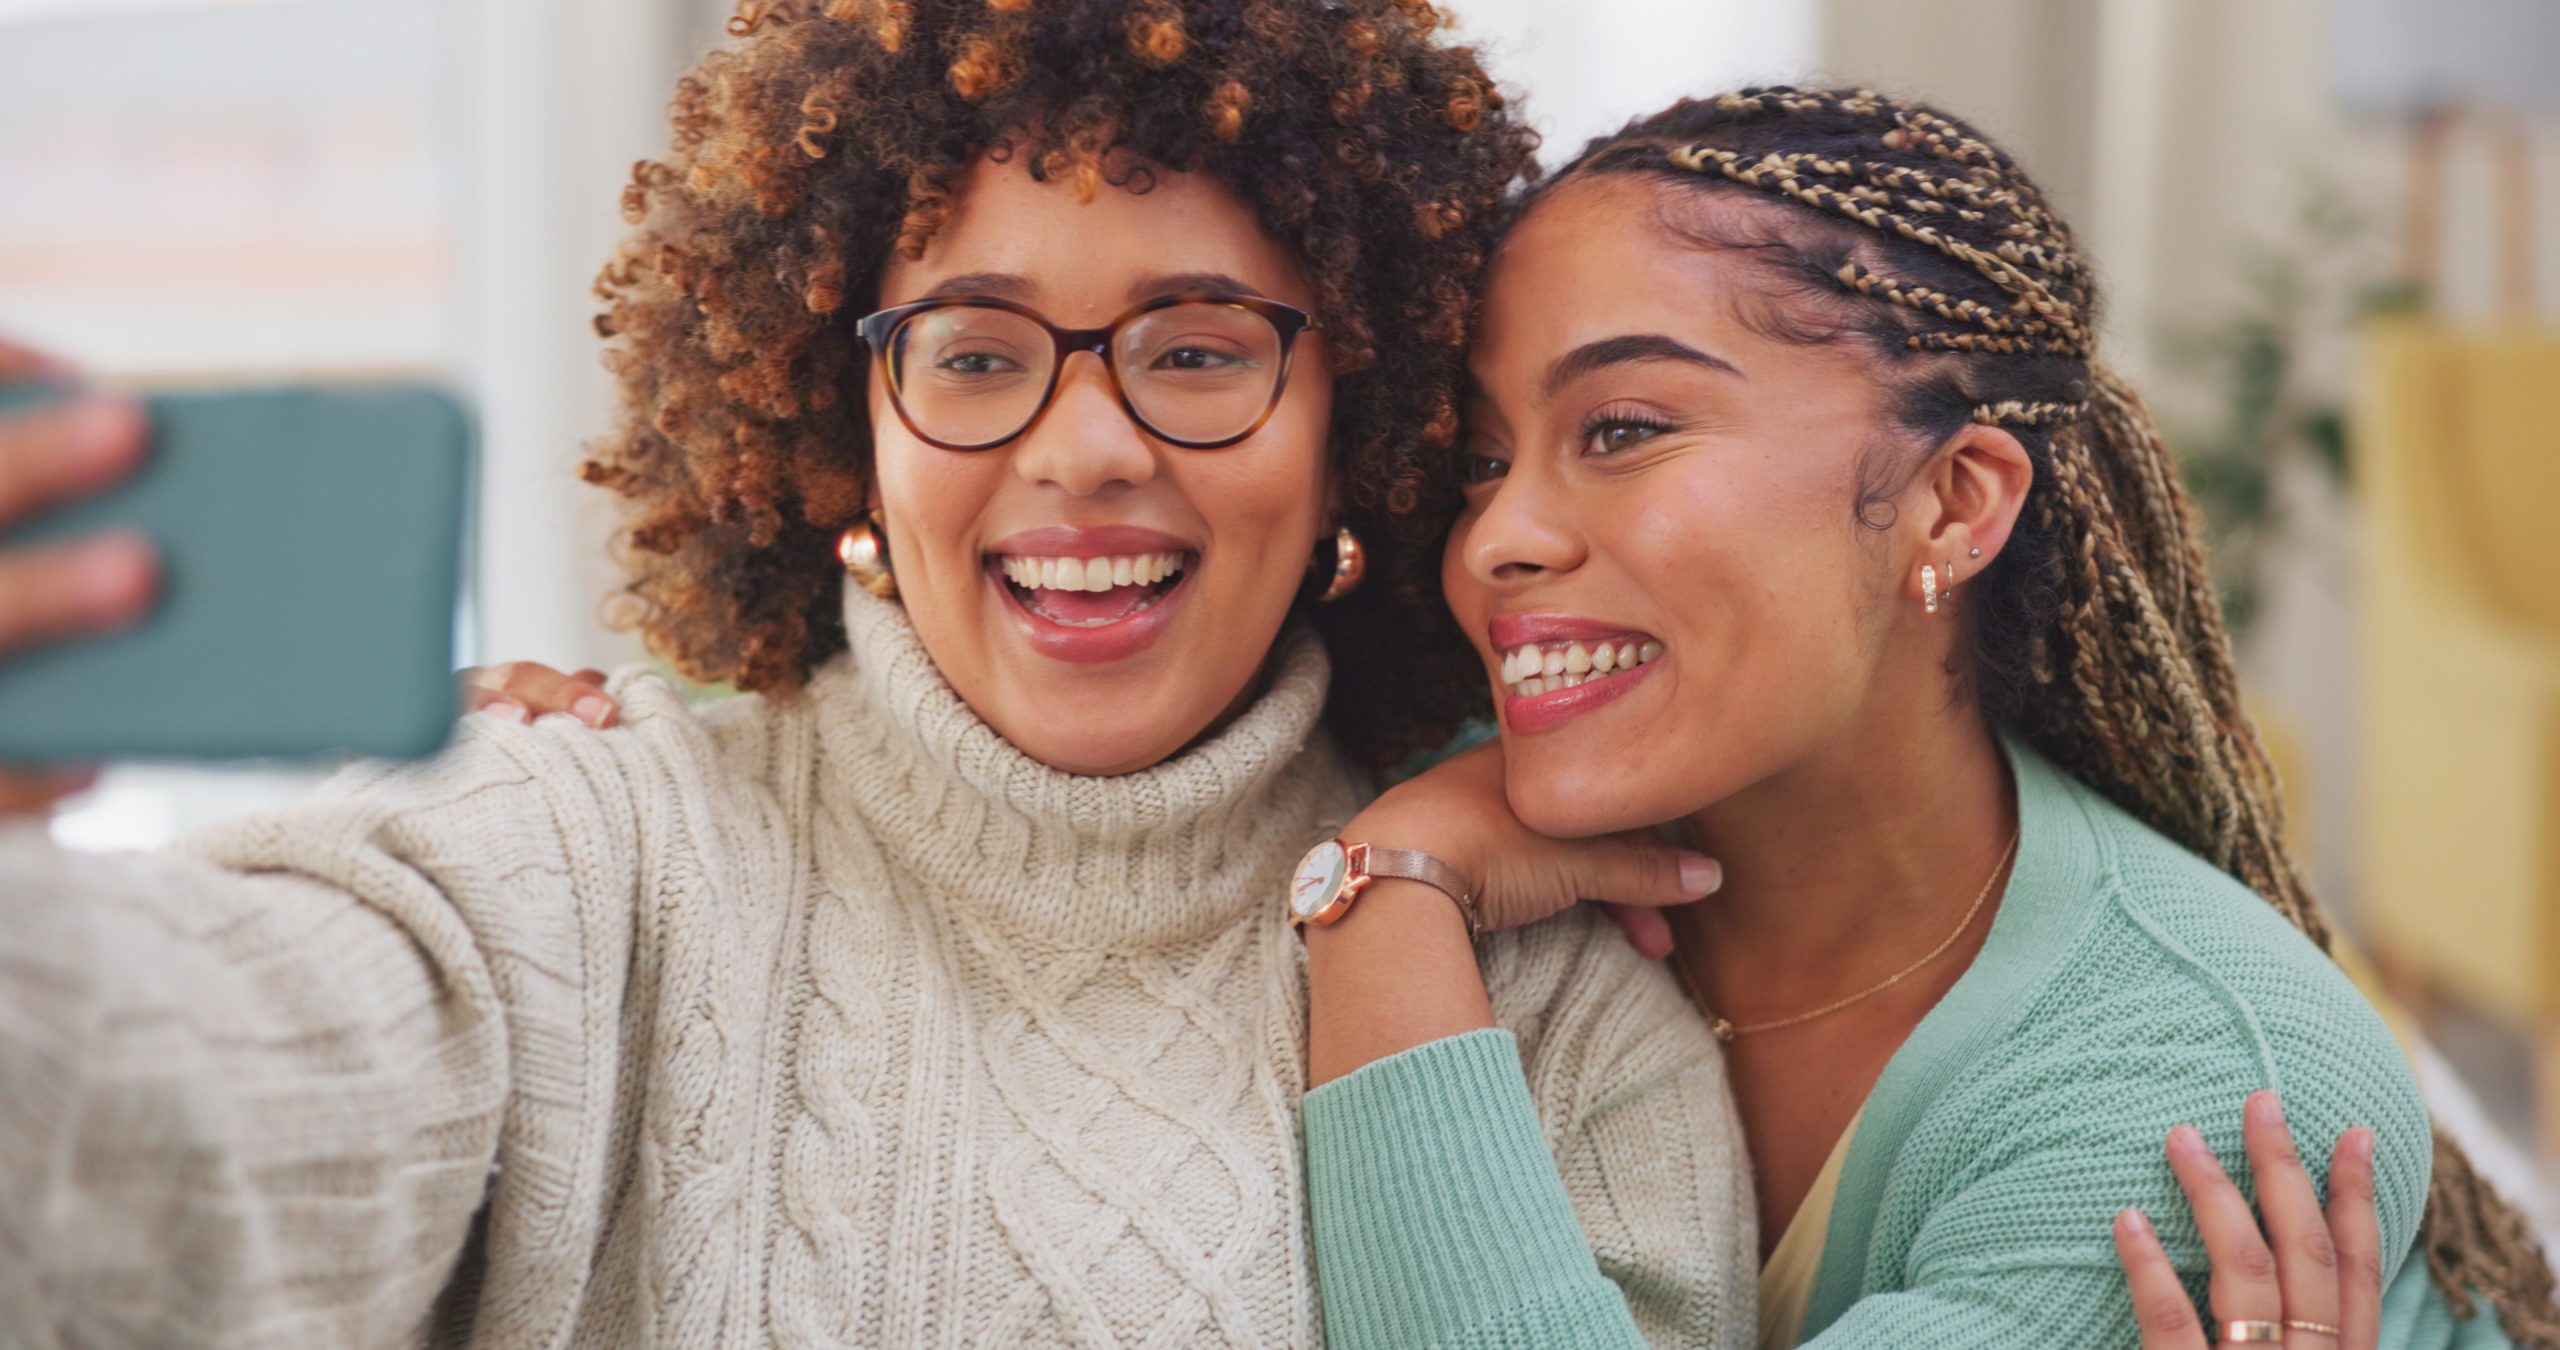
1334, 873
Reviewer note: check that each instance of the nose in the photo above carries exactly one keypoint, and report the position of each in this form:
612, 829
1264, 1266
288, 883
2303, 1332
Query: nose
1522, 534
1084, 442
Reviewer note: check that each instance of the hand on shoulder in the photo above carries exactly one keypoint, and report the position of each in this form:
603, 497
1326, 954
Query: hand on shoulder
525, 690
1457, 812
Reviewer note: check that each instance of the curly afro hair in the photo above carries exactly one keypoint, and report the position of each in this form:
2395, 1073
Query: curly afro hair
834, 132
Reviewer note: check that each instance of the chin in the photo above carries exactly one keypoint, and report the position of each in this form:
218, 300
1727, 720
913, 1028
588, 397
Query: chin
1098, 738
1573, 805
1100, 761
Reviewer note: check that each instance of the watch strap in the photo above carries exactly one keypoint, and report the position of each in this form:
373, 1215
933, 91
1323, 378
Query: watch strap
1407, 864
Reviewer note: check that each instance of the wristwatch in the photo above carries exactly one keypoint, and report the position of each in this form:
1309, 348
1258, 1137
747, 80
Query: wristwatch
1334, 873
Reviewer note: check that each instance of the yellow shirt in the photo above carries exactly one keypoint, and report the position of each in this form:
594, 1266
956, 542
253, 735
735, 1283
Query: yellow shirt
1786, 1278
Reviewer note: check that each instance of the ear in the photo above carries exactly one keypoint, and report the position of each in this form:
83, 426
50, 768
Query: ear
1975, 487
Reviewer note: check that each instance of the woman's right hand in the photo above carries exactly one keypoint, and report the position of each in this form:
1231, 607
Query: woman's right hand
525, 690
49, 592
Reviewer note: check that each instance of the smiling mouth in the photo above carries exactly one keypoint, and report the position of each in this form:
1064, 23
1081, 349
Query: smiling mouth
1092, 592
1544, 668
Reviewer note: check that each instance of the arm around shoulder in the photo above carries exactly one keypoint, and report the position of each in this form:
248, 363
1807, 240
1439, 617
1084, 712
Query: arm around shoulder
1642, 1125
1439, 1219
1578, 1184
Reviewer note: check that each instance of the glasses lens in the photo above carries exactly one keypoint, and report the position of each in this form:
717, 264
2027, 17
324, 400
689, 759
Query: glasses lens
970, 376
1200, 371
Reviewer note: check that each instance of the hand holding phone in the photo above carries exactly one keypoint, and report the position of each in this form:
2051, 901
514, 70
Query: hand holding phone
49, 592
315, 530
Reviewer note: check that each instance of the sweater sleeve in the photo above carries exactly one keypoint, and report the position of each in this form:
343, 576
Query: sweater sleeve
1579, 1182
1439, 1218
253, 1091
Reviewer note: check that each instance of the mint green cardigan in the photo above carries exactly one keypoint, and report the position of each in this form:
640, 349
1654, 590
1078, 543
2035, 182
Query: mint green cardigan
2126, 986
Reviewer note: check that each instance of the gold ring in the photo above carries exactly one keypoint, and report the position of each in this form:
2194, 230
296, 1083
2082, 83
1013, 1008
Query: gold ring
2317, 1328
2253, 1333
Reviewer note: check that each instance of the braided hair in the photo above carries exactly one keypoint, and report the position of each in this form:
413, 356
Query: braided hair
2095, 634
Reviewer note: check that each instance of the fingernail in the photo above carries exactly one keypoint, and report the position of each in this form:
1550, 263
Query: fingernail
2186, 1137
98, 431
107, 571
2132, 1221
1700, 875
512, 711
592, 710
2266, 1108
2363, 1144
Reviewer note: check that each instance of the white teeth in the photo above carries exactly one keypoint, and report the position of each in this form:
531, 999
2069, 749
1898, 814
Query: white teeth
1090, 574
1530, 671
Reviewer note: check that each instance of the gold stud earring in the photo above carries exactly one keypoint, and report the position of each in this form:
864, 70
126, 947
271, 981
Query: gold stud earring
1929, 587
864, 551
1349, 565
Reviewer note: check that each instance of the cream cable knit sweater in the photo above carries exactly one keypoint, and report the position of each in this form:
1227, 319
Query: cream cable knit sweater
832, 1020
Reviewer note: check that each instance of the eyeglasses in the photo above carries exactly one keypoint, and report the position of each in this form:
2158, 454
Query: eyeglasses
1200, 371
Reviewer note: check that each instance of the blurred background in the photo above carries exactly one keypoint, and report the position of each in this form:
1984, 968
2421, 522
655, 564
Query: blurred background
2331, 229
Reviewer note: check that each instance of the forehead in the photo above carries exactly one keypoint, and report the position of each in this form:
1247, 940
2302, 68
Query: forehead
1057, 250
1617, 254
1596, 257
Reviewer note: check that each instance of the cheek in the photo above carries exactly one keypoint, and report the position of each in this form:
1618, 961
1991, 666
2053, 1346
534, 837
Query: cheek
1756, 544
1265, 501
935, 506
1470, 603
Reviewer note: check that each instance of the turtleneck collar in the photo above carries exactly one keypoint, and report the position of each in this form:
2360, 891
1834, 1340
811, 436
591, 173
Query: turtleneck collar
1161, 856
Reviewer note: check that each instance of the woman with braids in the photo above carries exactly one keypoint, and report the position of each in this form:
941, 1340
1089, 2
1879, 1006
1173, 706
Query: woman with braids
1799, 512
937, 991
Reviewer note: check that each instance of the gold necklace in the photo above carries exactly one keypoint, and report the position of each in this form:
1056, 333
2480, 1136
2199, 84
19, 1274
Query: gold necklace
1726, 1031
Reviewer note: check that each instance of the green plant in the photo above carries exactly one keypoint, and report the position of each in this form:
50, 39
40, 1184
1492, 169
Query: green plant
2270, 402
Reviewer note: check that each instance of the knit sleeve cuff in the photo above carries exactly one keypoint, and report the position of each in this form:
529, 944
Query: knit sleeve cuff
1438, 1213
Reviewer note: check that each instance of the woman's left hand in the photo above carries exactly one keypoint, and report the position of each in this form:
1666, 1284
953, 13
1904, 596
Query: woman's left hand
2315, 1277
1457, 812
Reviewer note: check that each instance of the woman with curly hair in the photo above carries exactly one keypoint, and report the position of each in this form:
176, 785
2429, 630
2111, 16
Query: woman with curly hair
934, 992
1801, 513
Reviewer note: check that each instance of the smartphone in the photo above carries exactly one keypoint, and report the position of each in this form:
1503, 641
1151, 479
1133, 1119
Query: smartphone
310, 544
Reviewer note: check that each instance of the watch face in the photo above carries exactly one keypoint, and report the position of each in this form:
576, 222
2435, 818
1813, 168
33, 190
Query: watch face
1319, 879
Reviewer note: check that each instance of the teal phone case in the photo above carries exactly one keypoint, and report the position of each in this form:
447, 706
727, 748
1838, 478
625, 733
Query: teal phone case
311, 558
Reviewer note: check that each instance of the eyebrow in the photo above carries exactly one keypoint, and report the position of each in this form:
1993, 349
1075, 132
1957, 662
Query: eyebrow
1018, 288
1001, 285
1177, 283
1630, 347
